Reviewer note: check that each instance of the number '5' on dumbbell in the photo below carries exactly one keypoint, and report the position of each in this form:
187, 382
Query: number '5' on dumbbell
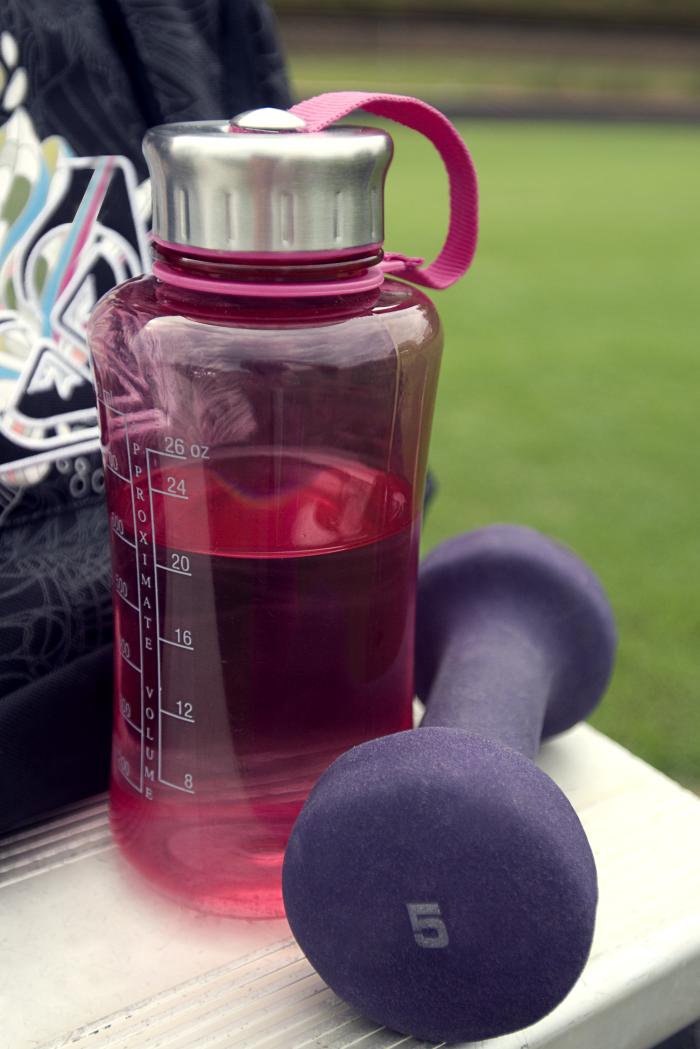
437, 879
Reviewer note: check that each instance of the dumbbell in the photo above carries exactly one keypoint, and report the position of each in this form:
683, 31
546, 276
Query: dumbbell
437, 879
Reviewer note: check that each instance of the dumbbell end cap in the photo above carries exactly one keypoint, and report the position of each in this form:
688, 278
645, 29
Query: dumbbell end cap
442, 884
500, 566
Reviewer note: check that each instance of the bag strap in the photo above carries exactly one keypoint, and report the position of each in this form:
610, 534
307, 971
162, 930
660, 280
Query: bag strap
457, 252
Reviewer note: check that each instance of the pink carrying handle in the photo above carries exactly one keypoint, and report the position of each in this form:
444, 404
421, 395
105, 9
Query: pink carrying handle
457, 252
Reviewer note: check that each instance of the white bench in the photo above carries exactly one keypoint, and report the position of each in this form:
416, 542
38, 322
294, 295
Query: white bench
91, 958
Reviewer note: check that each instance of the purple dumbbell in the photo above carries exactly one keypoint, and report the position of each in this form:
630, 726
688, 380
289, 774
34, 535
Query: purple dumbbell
437, 879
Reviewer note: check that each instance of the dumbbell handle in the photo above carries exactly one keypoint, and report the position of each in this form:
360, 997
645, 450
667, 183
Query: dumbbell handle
515, 637
493, 679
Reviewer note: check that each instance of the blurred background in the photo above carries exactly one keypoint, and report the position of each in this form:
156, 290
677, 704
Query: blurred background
570, 391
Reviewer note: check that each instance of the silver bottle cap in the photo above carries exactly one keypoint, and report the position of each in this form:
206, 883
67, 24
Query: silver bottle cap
269, 189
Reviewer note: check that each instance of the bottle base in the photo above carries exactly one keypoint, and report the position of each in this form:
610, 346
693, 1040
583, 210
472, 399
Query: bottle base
220, 866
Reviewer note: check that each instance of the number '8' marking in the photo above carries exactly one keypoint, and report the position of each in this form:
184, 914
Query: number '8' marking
429, 929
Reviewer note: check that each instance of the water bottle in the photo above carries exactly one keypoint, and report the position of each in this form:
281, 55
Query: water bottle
265, 402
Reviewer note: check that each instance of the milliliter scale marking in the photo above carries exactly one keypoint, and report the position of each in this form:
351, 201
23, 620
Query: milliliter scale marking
138, 476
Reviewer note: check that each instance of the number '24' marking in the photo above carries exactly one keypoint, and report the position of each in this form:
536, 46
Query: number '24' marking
429, 929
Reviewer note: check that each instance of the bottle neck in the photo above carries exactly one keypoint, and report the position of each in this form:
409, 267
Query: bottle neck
326, 274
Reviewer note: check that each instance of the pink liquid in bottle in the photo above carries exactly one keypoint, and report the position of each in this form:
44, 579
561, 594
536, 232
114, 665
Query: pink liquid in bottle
286, 626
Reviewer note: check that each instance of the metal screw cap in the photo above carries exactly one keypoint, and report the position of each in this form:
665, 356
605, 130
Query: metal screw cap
255, 184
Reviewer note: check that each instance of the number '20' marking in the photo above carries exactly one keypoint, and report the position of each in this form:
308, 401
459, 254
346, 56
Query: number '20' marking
429, 929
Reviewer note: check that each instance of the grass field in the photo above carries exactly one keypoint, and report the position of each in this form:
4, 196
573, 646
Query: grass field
457, 74
570, 391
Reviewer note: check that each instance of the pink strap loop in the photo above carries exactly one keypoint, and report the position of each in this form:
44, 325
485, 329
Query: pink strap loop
457, 252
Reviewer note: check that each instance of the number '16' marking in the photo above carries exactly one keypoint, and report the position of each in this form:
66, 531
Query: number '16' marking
429, 929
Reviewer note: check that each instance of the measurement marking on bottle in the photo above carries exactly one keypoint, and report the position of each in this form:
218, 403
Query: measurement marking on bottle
155, 590
178, 448
124, 539
125, 769
176, 644
180, 717
173, 495
117, 474
131, 783
133, 725
169, 568
110, 407
132, 665
128, 602
177, 786
171, 455
140, 787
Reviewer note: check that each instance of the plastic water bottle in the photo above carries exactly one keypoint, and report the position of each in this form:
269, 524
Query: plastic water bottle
265, 404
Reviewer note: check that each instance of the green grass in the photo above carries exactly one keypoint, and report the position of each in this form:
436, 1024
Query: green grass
455, 75
669, 12
570, 390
